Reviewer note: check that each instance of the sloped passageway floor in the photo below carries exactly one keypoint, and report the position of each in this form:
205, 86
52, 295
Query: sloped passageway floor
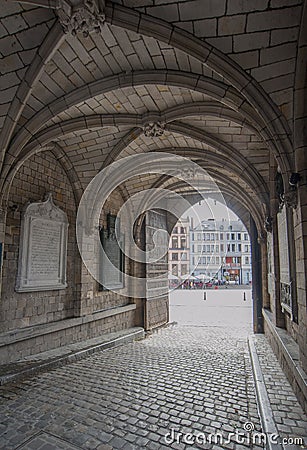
183, 387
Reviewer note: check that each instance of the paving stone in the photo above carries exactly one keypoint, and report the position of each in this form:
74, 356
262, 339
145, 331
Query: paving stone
205, 374
283, 402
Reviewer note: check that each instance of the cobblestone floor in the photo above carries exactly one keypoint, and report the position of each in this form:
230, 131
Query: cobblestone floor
288, 415
190, 379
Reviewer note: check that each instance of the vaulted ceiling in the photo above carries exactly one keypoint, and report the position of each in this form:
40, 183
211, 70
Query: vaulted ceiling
216, 76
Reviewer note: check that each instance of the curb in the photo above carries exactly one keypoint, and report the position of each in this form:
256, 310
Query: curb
263, 401
59, 361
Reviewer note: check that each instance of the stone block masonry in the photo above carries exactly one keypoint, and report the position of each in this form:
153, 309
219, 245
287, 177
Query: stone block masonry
40, 174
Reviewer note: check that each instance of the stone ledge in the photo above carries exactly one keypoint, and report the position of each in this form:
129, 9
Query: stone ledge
10, 337
287, 352
263, 401
57, 357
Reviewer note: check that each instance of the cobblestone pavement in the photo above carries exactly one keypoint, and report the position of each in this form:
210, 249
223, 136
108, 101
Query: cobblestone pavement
288, 415
188, 379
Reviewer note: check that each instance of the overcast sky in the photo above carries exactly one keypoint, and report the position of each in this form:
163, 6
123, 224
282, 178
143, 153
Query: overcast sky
210, 209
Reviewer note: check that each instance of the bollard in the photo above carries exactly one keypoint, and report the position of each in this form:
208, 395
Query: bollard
205, 295
244, 297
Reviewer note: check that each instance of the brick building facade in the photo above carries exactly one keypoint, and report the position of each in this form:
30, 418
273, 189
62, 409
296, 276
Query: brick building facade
179, 249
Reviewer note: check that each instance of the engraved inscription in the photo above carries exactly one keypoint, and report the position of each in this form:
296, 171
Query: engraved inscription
283, 246
45, 257
156, 255
43, 247
112, 261
114, 255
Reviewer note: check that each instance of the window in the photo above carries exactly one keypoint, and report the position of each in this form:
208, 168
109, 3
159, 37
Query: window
221, 236
246, 260
239, 247
227, 236
193, 247
193, 237
217, 248
217, 259
222, 247
228, 247
199, 248
182, 230
184, 269
199, 236
212, 237
239, 236
212, 248
183, 242
233, 236
174, 242
183, 256
174, 269
246, 248
208, 248
175, 256
245, 237
233, 247
207, 236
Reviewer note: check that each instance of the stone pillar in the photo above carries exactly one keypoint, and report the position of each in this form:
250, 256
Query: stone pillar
300, 239
292, 262
2, 239
264, 269
278, 316
139, 272
257, 279
300, 214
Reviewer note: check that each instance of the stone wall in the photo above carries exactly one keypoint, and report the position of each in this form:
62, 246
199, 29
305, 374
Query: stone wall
157, 301
78, 312
157, 312
110, 299
39, 174
288, 354
26, 342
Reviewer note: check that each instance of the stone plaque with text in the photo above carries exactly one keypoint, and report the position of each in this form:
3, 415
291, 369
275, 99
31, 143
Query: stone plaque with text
283, 246
43, 248
112, 261
157, 241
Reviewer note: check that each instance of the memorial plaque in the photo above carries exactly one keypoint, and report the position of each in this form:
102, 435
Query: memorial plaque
270, 264
156, 255
43, 248
112, 260
283, 246
284, 261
